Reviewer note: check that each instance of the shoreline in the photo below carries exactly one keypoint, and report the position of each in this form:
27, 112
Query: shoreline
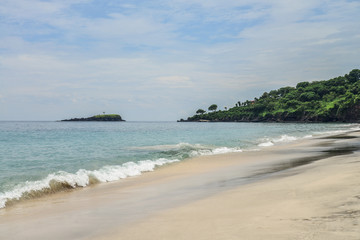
163, 202
268, 121
317, 207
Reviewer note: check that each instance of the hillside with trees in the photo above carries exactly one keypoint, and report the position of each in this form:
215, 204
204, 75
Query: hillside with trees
334, 100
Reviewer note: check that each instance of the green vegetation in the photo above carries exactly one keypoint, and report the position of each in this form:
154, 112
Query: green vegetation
333, 100
200, 111
102, 117
213, 107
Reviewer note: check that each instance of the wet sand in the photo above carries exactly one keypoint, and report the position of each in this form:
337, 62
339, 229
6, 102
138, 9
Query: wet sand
304, 190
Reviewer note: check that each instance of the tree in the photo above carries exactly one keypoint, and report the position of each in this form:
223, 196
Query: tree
200, 111
302, 84
213, 107
336, 99
353, 76
308, 96
292, 103
285, 90
264, 96
338, 81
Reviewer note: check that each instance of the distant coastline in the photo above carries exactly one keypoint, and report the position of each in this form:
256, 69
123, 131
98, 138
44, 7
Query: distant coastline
102, 117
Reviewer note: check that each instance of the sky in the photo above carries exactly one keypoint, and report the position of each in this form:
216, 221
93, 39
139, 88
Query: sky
161, 60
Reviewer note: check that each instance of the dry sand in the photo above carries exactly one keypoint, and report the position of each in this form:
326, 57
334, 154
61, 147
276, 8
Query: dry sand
304, 190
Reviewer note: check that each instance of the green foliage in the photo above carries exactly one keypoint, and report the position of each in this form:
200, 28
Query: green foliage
106, 116
200, 111
336, 99
213, 107
353, 76
302, 85
308, 96
101, 117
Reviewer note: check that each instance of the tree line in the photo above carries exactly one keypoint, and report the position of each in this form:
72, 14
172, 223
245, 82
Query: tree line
333, 100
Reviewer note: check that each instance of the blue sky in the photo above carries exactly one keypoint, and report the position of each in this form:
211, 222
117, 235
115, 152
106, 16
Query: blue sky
162, 60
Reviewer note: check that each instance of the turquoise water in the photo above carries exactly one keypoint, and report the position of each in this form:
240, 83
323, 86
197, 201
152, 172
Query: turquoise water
41, 157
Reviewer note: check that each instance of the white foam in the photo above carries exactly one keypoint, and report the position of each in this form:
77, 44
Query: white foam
220, 150
167, 147
267, 142
356, 127
82, 177
193, 149
349, 128
285, 138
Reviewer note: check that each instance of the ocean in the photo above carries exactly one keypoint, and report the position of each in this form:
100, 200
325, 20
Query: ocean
39, 158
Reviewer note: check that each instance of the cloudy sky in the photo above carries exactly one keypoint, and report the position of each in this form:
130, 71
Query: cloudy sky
164, 59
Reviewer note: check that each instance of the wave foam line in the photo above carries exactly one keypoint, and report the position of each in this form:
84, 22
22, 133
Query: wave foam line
192, 149
220, 150
165, 147
284, 138
61, 181
267, 142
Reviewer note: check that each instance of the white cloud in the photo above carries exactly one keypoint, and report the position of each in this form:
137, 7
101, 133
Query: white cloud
162, 53
175, 81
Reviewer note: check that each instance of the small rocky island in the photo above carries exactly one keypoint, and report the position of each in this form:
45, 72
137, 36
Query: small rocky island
102, 117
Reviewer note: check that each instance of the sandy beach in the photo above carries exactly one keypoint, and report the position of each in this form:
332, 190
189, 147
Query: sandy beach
309, 189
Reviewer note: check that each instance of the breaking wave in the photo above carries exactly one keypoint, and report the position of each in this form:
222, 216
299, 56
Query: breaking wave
267, 142
185, 150
62, 181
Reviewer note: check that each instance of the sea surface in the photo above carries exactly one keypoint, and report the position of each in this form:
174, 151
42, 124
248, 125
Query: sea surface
38, 158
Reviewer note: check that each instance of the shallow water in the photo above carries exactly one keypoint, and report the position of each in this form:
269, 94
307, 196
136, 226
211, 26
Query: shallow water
43, 157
